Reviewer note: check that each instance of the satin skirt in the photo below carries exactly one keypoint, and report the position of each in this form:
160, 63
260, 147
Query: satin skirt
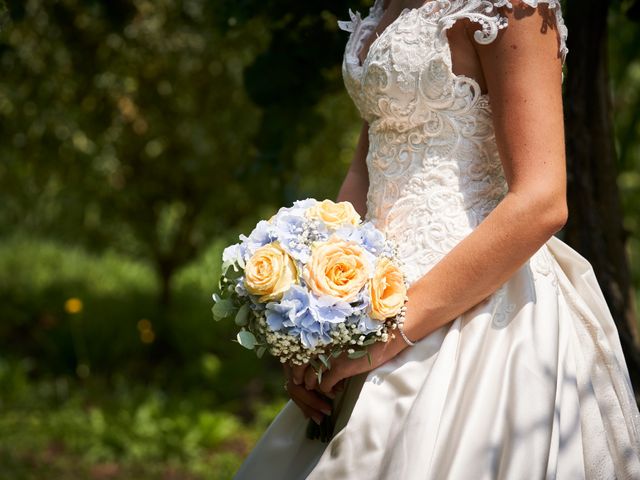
529, 384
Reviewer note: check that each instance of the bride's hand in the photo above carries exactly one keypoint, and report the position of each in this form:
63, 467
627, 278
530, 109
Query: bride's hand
309, 401
344, 367
306, 376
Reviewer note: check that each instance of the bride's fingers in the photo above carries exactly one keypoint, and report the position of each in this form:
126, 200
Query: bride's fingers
297, 373
329, 380
307, 411
310, 398
310, 379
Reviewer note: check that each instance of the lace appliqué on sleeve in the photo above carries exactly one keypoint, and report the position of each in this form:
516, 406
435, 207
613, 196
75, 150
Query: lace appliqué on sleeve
375, 12
486, 14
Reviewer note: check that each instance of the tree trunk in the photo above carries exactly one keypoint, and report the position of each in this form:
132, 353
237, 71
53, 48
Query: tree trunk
162, 350
165, 276
595, 216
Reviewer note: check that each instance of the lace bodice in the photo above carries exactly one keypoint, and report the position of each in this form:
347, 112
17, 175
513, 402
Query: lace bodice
434, 168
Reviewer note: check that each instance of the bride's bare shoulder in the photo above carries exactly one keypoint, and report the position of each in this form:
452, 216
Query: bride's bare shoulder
533, 22
523, 72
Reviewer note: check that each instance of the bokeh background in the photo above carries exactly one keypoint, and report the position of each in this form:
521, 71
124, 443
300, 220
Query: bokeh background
138, 139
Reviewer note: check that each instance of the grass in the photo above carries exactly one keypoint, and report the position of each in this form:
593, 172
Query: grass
82, 394
60, 429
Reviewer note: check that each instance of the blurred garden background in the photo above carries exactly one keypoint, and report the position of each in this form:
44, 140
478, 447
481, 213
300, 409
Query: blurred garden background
140, 137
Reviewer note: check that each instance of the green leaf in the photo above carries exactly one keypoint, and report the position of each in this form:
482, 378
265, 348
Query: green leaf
232, 272
369, 358
242, 317
260, 351
325, 361
216, 297
319, 373
223, 309
336, 353
369, 341
357, 354
314, 364
246, 339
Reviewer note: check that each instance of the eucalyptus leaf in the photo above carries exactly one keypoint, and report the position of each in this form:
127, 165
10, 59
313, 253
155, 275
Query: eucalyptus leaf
336, 353
314, 364
246, 339
260, 351
223, 309
325, 361
370, 341
319, 373
357, 354
242, 317
232, 272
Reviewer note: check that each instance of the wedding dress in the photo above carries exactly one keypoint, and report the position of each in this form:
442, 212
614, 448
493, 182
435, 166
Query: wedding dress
529, 384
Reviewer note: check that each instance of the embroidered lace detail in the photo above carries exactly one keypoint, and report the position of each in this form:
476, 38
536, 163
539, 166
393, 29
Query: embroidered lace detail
434, 168
502, 309
542, 263
484, 12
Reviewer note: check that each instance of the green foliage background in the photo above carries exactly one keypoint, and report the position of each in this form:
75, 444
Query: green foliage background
139, 138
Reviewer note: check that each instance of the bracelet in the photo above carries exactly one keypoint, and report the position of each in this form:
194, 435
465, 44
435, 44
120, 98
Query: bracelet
400, 321
404, 337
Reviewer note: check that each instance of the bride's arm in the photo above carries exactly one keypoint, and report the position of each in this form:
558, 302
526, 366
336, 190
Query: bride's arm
523, 75
356, 182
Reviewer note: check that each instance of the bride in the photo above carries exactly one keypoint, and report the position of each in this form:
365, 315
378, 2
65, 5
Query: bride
509, 365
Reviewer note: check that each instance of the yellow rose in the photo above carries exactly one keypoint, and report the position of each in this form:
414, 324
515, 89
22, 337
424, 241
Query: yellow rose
338, 268
334, 214
270, 272
387, 290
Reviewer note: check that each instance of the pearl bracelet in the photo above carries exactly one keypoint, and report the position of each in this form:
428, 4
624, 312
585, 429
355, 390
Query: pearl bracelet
400, 320
404, 337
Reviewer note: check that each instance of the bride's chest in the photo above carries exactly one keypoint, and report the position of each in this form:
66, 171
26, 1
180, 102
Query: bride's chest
407, 72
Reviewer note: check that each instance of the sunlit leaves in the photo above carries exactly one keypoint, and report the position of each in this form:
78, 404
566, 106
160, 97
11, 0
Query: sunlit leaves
246, 339
128, 108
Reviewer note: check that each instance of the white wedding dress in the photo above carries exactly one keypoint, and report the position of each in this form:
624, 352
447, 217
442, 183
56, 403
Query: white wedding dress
529, 384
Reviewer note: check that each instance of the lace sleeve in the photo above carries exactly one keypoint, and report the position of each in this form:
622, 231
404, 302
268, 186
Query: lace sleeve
487, 14
375, 12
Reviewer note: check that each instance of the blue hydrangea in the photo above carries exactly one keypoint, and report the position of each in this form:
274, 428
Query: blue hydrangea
240, 288
263, 233
303, 204
298, 207
301, 313
360, 315
366, 324
366, 235
289, 227
232, 254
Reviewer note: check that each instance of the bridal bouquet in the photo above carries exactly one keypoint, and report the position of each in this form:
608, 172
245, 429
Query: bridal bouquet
310, 283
